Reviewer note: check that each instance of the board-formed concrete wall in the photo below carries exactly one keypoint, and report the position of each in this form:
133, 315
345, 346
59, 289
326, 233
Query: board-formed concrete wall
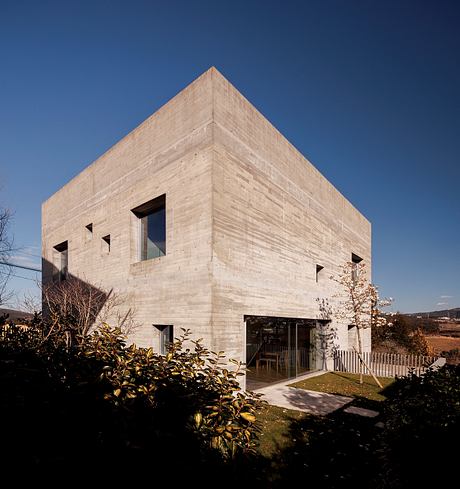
170, 153
248, 218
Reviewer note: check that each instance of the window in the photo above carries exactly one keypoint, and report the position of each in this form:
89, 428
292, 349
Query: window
166, 337
355, 259
89, 228
352, 337
106, 243
61, 261
318, 272
152, 222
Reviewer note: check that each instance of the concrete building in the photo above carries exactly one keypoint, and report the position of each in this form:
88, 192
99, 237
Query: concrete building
207, 218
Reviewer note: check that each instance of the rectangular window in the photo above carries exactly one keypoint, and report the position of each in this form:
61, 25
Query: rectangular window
89, 230
152, 222
355, 259
61, 261
352, 337
166, 337
318, 272
106, 243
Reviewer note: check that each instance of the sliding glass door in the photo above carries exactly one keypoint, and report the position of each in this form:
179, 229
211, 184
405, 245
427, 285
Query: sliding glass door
279, 348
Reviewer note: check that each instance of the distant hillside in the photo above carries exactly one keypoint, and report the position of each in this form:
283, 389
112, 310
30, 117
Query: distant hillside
14, 315
452, 313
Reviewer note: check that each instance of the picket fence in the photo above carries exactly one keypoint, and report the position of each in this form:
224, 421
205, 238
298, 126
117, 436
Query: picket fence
382, 364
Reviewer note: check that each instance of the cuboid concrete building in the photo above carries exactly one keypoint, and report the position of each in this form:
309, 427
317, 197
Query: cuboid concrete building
206, 218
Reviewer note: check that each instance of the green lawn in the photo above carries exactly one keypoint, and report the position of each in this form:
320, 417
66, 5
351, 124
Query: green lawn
286, 433
275, 424
297, 446
367, 394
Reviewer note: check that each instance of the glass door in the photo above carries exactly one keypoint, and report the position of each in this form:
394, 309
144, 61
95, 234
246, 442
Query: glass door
278, 349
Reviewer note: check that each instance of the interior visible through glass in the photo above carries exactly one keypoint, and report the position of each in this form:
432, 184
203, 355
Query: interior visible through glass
279, 349
153, 234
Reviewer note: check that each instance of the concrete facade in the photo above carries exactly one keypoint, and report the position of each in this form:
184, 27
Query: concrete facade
248, 218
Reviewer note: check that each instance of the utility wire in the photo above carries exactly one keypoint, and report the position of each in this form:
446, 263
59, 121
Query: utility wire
19, 266
20, 276
26, 253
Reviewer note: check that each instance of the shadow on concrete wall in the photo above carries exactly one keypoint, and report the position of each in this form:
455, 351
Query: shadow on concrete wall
70, 303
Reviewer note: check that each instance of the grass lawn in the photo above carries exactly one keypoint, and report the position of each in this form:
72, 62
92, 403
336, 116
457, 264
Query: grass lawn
275, 423
367, 395
288, 435
297, 446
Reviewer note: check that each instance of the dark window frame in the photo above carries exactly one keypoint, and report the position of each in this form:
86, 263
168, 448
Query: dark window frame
147, 215
166, 337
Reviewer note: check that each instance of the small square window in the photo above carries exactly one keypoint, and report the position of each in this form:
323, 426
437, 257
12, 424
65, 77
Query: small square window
89, 231
319, 268
352, 337
355, 259
106, 244
166, 337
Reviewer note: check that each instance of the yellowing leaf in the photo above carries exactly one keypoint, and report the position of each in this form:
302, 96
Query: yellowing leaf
250, 418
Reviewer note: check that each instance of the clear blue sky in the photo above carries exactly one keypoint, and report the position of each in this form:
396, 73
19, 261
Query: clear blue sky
369, 91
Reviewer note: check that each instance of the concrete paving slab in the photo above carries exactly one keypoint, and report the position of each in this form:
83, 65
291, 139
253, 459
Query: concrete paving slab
368, 413
311, 402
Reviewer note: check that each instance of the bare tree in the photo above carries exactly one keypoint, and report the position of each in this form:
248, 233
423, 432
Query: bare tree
30, 302
6, 246
360, 304
327, 332
73, 308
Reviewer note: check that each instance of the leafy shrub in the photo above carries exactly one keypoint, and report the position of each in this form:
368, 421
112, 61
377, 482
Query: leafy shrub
102, 398
190, 388
452, 356
422, 423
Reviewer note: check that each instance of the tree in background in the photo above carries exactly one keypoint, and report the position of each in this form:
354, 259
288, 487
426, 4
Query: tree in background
359, 303
6, 245
404, 333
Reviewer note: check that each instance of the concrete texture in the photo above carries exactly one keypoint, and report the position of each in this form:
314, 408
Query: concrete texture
248, 218
311, 402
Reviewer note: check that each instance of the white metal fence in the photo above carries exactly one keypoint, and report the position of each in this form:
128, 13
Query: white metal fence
382, 364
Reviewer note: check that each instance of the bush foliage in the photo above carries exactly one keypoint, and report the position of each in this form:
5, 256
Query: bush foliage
103, 397
104, 406
422, 427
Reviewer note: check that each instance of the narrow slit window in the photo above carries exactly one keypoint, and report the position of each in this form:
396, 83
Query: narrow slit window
352, 337
355, 260
106, 243
89, 231
319, 268
61, 261
166, 337
152, 228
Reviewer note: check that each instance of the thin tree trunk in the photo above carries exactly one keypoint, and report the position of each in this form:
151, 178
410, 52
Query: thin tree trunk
369, 369
360, 350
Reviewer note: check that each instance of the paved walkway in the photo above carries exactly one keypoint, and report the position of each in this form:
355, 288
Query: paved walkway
311, 402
